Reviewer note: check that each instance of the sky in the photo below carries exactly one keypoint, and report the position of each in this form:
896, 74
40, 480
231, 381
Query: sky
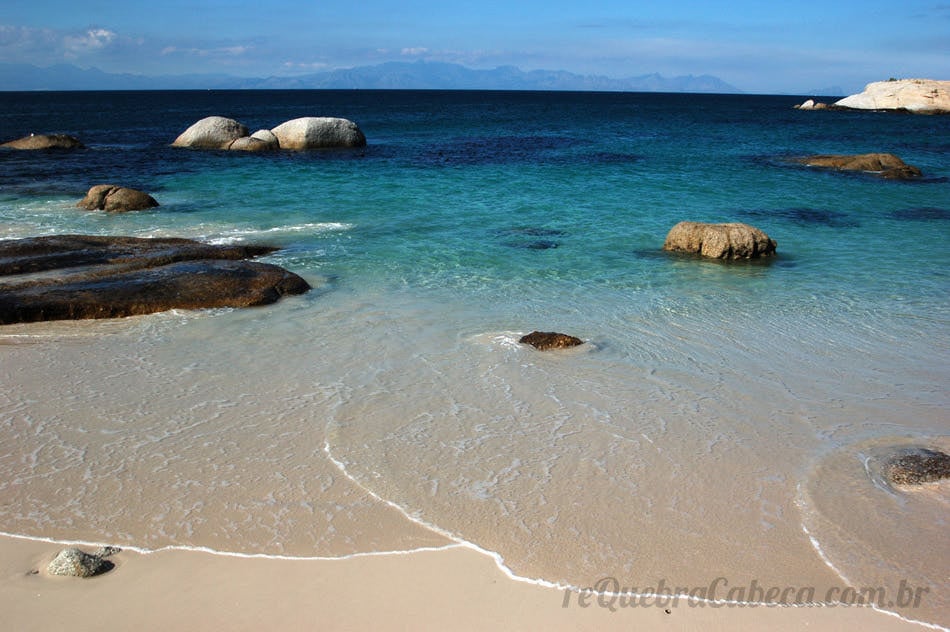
759, 46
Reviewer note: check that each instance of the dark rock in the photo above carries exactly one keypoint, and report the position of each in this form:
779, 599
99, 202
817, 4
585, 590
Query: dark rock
112, 198
78, 277
922, 213
44, 141
38, 254
719, 241
883, 165
545, 340
916, 466
73, 562
806, 216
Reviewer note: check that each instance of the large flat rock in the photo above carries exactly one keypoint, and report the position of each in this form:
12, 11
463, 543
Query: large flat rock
921, 96
80, 276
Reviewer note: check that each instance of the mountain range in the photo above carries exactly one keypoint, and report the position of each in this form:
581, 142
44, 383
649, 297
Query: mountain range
420, 75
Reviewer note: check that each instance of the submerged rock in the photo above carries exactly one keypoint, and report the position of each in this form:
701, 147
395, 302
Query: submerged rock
882, 164
920, 96
116, 199
78, 277
212, 132
319, 132
544, 340
917, 466
44, 141
719, 241
73, 562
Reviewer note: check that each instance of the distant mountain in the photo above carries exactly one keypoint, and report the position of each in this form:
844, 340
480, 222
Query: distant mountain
68, 77
420, 75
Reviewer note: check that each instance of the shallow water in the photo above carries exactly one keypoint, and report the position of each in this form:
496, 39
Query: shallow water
717, 422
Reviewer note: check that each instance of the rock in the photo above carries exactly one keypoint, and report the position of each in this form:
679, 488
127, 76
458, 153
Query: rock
884, 165
112, 198
319, 133
261, 140
920, 96
78, 277
212, 132
916, 466
719, 241
73, 562
44, 141
810, 104
544, 340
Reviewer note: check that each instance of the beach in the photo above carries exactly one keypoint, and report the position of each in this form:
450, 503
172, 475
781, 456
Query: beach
383, 452
454, 588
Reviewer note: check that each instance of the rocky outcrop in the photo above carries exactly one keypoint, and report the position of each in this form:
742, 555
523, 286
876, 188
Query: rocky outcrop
545, 340
311, 132
920, 96
319, 132
884, 165
74, 562
719, 241
45, 141
80, 276
916, 466
116, 199
212, 132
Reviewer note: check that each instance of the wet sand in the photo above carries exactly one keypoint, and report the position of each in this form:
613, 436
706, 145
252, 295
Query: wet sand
455, 588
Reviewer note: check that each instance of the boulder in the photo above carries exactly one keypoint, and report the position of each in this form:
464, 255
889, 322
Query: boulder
212, 132
73, 562
112, 198
719, 241
920, 96
810, 104
884, 165
315, 132
261, 140
544, 340
109, 277
916, 466
44, 141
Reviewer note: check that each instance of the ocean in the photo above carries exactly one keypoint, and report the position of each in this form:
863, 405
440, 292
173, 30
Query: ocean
722, 420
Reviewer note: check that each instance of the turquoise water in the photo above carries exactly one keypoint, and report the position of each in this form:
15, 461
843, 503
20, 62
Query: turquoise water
690, 434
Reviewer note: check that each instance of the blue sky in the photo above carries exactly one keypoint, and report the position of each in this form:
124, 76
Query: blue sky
758, 46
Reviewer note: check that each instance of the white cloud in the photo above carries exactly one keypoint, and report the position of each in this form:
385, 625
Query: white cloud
91, 40
414, 52
222, 51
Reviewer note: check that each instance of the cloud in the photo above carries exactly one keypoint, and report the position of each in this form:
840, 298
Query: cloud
414, 52
48, 46
220, 51
92, 40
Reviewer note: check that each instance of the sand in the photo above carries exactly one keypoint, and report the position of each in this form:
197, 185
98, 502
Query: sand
455, 588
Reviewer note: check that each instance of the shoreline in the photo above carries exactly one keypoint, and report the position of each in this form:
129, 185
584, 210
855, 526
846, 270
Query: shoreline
454, 587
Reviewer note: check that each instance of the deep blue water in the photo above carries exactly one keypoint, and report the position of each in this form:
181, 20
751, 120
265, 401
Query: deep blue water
576, 188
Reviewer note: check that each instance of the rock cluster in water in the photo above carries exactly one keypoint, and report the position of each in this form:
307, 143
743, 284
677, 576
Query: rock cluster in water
917, 466
311, 132
44, 141
74, 562
116, 199
884, 165
70, 277
544, 340
732, 240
